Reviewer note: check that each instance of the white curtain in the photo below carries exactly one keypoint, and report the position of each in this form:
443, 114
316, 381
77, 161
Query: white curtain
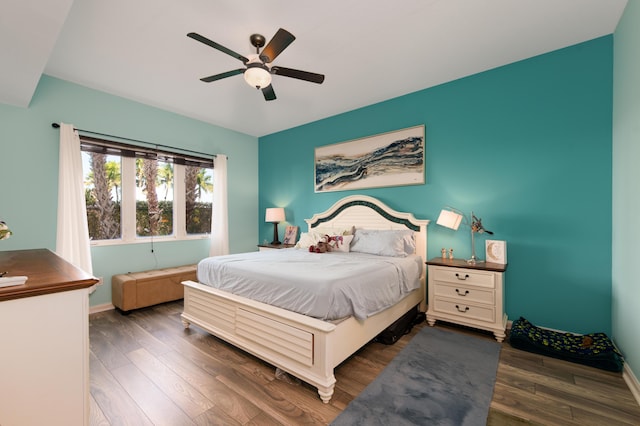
72, 242
220, 213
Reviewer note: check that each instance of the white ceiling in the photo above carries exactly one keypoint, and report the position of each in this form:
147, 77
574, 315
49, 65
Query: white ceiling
369, 50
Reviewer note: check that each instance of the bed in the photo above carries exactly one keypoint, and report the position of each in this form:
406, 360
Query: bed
306, 347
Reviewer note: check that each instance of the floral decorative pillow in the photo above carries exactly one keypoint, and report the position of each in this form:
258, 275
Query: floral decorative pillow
313, 237
322, 243
326, 230
340, 242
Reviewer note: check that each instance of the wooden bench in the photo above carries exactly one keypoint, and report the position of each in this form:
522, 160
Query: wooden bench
136, 290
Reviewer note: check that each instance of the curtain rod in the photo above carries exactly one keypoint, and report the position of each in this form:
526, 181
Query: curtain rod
57, 126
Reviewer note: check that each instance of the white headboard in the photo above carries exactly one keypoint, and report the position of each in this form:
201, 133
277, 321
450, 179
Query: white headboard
366, 212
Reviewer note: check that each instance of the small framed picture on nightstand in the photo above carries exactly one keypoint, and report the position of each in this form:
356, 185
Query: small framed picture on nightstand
290, 235
496, 251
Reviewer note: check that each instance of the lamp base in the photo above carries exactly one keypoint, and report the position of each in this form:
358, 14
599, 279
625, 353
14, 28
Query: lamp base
275, 241
473, 260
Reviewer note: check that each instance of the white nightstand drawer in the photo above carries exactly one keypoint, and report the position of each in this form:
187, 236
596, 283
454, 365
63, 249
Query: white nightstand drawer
463, 310
464, 276
465, 294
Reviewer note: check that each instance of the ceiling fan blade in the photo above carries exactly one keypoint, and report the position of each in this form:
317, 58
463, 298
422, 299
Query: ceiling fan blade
300, 75
217, 46
223, 75
269, 94
276, 45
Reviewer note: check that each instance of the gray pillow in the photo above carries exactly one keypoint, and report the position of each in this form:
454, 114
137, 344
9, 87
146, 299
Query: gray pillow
391, 242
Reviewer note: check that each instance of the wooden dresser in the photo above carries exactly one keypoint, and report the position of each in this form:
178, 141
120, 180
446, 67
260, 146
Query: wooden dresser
44, 335
265, 247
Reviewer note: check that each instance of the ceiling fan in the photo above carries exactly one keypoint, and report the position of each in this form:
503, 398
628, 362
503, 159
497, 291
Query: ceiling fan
257, 72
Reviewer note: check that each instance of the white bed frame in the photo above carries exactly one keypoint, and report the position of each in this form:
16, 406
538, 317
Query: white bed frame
303, 346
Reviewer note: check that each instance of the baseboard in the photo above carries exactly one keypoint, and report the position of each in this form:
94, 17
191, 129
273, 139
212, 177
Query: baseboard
101, 308
632, 382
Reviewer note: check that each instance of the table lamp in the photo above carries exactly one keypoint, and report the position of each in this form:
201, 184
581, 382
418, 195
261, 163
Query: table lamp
451, 218
275, 215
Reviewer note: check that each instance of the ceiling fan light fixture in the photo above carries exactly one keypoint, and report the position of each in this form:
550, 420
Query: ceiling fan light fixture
257, 75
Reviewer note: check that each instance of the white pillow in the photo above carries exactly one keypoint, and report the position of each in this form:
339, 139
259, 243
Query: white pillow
394, 243
308, 239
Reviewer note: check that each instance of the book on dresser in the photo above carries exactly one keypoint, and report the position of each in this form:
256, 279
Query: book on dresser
11, 281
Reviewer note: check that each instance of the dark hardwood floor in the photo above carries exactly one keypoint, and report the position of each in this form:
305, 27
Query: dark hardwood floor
146, 369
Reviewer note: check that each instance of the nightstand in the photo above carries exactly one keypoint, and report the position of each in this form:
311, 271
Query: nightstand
467, 294
265, 247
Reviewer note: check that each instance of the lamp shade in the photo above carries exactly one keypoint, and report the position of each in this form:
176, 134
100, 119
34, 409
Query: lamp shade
274, 214
256, 75
449, 219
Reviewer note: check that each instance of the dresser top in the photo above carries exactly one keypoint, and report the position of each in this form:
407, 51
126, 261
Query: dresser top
276, 246
47, 273
462, 263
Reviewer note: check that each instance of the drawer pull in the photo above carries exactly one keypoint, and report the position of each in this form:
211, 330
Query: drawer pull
462, 294
466, 308
458, 276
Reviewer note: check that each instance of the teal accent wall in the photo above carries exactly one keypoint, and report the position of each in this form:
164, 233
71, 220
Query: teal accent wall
626, 175
526, 146
29, 173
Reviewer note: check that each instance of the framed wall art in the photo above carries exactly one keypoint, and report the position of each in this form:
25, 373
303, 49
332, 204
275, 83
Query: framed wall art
290, 235
496, 251
389, 159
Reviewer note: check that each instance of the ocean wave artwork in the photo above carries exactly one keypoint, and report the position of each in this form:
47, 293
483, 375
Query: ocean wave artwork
390, 159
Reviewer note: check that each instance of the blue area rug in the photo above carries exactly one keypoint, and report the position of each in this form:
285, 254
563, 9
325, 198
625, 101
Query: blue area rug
440, 378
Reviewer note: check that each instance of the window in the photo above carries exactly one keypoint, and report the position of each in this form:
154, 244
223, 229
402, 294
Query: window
134, 193
198, 199
154, 198
102, 194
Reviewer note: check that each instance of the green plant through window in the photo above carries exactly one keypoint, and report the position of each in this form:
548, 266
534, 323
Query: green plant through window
149, 185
